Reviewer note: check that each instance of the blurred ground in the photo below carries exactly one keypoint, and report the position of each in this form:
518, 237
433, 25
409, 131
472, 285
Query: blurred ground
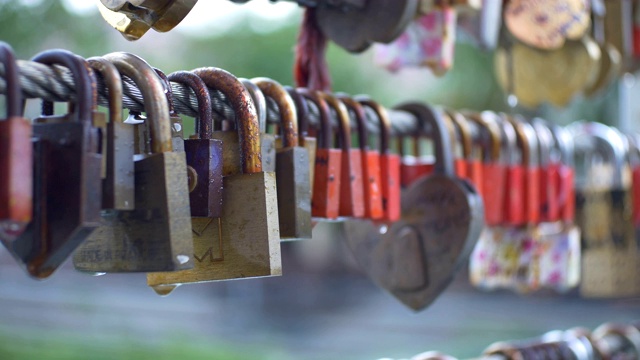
320, 309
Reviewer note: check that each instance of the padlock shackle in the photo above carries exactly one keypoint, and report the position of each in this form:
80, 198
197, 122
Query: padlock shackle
302, 113
491, 150
591, 136
527, 141
113, 81
246, 115
168, 91
259, 101
153, 93
204, 121
360, 117
463, 130
384, 122
13, 90
545, 141
286, 106
344, 120
433, 124
324, 135
564, 142
509, 140
85, 89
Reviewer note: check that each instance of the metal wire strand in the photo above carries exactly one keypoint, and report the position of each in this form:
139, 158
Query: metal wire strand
55, 83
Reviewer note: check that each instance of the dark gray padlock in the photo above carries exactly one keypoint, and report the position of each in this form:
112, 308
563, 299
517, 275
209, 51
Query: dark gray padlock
416, 257
292, 169
71, 178
156, 236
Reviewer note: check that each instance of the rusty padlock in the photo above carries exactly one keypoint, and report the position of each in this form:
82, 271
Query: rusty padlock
204, 154
248, 230
16, 155
71, 179
465, 140
528, 143
325, 198
292, 170
177, 128
371, 172
156, 236
351, 189
389, 164
118, 183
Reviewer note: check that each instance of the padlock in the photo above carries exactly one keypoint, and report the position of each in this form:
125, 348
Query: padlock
528, 142
416, 257
292, 170
118, 183
514, 213
603, 213
71, 179
325, 197
16, 155
267, 140
389, 164
414, 165
204, 154
249, 238
304, 140
558, 247
548, 199
134, 18
465, 140
371, 162
351, 186
156, 235
493, 170
474, 170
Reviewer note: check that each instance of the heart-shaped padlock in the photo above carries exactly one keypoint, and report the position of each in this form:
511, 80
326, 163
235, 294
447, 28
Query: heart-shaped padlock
416, 258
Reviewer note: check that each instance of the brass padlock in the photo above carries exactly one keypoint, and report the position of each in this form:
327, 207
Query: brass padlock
603, 212
249, 237
118, 187
70, 179
204, 154
156, 236
16, 155
304, 140
292, 170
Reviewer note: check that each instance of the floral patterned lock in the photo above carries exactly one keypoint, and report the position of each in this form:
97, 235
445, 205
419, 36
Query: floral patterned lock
428, 41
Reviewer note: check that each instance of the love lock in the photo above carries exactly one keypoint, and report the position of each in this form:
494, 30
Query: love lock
416, 258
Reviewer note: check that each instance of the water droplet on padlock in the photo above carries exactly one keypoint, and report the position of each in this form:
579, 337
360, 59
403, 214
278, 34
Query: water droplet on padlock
164, 290
383, 229
182, 259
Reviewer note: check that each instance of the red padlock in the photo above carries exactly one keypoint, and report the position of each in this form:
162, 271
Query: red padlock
371, 172
351, 189
325, 202
494, 171
16, 155
528, 143
482, 136
389, 165
463, 132
548, 166
514, 213
414, 166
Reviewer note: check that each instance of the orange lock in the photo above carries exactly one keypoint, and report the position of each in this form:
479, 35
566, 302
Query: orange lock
548, 167
371, 173
389, 165
514, 182
494, 172
463, 132
325, 202
351, 189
